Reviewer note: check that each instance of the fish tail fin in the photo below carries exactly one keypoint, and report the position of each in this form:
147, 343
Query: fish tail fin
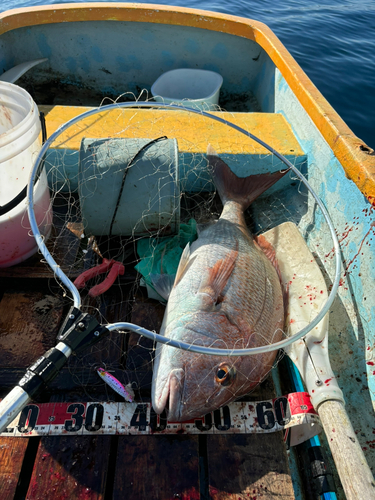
243, 190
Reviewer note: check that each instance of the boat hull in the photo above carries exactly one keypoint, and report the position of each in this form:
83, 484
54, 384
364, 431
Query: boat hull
110, 50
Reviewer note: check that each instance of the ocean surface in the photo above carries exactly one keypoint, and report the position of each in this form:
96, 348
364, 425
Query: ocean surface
332, 40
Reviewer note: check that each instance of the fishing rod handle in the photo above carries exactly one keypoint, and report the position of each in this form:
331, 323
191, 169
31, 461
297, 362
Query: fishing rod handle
11, 405
37, 377
79, 331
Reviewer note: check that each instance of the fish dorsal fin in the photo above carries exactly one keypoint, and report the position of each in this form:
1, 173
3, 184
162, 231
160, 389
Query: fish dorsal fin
218, 275
184, 260
163, 284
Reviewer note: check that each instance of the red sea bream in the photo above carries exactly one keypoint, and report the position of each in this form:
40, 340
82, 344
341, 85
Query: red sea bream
227, 294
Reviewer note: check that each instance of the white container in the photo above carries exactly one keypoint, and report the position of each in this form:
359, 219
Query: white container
19, 146
196, 88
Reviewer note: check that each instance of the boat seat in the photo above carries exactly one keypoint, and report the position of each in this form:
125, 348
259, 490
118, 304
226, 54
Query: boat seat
192, 131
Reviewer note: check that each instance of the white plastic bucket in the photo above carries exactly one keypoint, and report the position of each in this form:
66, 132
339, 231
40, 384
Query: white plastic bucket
198, 88
19, 146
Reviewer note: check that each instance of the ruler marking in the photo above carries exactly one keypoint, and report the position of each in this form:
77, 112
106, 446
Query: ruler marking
110, 418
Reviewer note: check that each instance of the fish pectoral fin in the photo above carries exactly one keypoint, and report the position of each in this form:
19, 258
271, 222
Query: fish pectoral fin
184, 260
218, 275
163, 283
270, 253
267, 249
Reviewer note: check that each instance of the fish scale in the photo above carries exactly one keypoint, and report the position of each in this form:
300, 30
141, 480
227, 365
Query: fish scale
254, 277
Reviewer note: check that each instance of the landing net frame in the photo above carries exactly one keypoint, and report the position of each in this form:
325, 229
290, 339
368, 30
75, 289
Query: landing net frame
142, 331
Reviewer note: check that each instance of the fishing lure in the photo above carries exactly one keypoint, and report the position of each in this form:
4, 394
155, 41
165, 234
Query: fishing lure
126, 392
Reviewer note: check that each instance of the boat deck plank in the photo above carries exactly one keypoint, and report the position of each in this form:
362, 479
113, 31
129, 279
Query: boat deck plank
161, 467
71, 467
151, 466
29, 321
256, 466
157, 467
12, 453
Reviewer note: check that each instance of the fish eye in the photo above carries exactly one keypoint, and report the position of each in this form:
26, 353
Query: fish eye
224, 374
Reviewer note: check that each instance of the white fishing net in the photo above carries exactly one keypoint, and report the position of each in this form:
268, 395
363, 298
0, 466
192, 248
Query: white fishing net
131, 185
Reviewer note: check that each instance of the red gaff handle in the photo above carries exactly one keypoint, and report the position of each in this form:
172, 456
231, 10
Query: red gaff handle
80, 282
117, 269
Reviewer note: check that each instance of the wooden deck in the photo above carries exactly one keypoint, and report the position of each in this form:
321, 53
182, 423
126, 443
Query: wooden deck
217, 467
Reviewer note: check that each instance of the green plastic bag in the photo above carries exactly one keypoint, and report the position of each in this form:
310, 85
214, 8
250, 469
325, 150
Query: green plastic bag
162, 255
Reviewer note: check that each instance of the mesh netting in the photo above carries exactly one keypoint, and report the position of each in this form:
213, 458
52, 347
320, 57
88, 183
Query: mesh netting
132, 186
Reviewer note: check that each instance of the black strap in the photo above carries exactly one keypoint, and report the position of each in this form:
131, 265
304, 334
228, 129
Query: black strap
43, 125
126, 173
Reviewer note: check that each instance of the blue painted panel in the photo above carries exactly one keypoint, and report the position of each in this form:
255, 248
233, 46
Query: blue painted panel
264, 83
7, 59
62, 169
195, 178
352, 318
128, 56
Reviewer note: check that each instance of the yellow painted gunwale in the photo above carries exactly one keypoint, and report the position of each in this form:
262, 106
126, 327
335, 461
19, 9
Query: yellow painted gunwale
354, 155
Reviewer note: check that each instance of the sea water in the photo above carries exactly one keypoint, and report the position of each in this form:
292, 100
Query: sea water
332, 40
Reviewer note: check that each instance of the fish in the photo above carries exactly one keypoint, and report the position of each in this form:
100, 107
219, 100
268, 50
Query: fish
227, 293
126, 392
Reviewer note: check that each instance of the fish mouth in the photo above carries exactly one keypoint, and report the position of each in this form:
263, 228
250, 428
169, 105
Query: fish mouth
170, 398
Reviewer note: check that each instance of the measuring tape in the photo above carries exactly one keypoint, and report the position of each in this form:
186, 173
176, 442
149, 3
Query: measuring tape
293, 413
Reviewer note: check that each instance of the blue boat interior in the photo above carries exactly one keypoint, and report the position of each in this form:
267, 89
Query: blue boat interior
93, 63
89, 61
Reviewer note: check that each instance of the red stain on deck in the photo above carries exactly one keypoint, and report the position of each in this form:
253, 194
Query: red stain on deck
344, 235
372, 225
371, 363
328, 380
